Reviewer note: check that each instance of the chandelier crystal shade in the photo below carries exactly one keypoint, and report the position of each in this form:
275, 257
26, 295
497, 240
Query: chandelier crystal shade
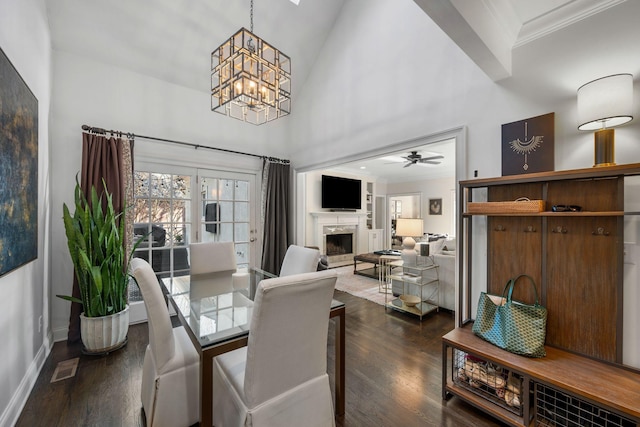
250, 79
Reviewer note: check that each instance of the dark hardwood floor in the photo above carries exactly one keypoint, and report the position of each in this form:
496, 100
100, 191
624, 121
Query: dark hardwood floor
393, 367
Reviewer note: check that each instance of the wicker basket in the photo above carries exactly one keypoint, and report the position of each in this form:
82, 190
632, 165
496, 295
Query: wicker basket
522, 205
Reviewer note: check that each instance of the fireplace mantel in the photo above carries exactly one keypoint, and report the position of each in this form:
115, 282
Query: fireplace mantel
321, 219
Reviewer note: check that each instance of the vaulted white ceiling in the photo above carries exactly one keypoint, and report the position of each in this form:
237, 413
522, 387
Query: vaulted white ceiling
490, 30
172, 39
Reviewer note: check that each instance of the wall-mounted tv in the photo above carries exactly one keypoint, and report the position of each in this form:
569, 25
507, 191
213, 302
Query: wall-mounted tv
341, 193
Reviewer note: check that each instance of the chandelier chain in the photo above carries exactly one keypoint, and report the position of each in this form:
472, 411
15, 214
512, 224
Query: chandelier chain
251, 15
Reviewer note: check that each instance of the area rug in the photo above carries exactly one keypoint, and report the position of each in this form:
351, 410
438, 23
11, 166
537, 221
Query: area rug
359, 286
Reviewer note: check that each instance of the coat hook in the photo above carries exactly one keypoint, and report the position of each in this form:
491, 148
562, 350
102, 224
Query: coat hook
559, 229
500, 228
530, 229
600, 232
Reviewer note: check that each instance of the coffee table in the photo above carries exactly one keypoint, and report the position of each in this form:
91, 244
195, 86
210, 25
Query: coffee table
220, 323
370, 258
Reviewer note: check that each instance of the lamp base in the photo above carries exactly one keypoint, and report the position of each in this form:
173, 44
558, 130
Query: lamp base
603, 149
409, 255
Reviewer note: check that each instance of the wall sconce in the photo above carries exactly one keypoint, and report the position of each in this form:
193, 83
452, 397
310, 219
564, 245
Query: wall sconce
602, 104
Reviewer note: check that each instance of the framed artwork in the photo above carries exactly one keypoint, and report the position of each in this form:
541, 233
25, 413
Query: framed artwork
18, 169
528, 145
435, 206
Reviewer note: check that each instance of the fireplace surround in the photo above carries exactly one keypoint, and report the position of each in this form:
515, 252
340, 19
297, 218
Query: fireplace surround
339, 242
339, 235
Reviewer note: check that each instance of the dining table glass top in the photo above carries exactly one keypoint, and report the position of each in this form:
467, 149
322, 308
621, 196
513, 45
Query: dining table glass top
213, 313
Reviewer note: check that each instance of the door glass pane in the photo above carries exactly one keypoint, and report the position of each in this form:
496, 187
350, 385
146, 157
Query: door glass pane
226, 233
242, 190
209, 190
181, 187
241, 232
242, 253
241, 211
226, 189
142, 208
226, 211
141, 184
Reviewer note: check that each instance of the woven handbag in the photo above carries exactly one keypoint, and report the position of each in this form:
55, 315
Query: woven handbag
512, 325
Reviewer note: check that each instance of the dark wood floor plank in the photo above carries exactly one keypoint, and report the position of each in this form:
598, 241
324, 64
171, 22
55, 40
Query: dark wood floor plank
393, 369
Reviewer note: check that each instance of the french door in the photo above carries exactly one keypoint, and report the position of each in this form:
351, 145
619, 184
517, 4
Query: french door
175, 206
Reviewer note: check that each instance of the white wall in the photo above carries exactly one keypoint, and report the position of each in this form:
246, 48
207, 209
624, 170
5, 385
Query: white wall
96, 94
431, 189
24, 38
388, 74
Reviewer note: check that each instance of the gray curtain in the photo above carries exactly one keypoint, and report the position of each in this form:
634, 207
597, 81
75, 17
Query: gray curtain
111, 159
276, 196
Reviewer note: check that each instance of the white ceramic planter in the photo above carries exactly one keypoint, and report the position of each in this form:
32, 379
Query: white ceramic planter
104, 334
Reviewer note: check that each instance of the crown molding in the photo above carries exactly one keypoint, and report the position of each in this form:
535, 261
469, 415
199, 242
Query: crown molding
561, 17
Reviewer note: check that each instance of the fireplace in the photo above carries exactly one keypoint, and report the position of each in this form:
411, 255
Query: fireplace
339, 243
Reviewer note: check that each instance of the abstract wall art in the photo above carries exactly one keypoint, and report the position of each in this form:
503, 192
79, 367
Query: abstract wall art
18, 169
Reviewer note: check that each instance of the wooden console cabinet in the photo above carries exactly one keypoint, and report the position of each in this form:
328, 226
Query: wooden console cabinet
576, 260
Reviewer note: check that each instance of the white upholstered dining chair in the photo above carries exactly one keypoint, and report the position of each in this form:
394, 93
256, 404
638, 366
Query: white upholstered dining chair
171, 369
280, 378
217, 260
299, 259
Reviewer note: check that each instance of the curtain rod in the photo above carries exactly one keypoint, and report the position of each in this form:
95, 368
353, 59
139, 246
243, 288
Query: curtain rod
188, 144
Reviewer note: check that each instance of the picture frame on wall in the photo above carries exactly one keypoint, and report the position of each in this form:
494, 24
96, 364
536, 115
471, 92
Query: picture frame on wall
528, 145
18, 169
435, 206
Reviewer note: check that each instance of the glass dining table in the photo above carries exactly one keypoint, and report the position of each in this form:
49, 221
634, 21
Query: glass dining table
217, 321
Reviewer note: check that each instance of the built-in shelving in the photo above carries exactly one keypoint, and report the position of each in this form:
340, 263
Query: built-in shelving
370, 203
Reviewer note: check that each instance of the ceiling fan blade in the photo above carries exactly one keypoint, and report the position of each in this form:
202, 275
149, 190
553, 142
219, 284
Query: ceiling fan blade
408, 164
426, 159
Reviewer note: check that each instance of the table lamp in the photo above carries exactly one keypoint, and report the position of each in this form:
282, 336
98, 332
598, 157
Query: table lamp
408, 228
602, 104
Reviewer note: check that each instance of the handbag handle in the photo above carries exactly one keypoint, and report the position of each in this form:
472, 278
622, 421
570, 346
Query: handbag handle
512, 282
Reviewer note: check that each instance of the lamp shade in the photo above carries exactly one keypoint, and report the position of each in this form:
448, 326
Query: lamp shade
605, 102
409, 227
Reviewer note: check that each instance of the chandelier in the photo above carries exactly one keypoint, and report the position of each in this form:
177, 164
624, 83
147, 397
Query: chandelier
250, 78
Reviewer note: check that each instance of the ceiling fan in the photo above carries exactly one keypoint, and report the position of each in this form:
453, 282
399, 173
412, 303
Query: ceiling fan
414, 158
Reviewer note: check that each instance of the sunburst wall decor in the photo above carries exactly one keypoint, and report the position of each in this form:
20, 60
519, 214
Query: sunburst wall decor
528, 145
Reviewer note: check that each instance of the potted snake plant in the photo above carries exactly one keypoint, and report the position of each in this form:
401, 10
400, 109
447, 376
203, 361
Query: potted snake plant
95, 237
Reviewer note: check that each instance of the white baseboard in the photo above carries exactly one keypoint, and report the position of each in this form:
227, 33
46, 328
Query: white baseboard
60, 334
12, 412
